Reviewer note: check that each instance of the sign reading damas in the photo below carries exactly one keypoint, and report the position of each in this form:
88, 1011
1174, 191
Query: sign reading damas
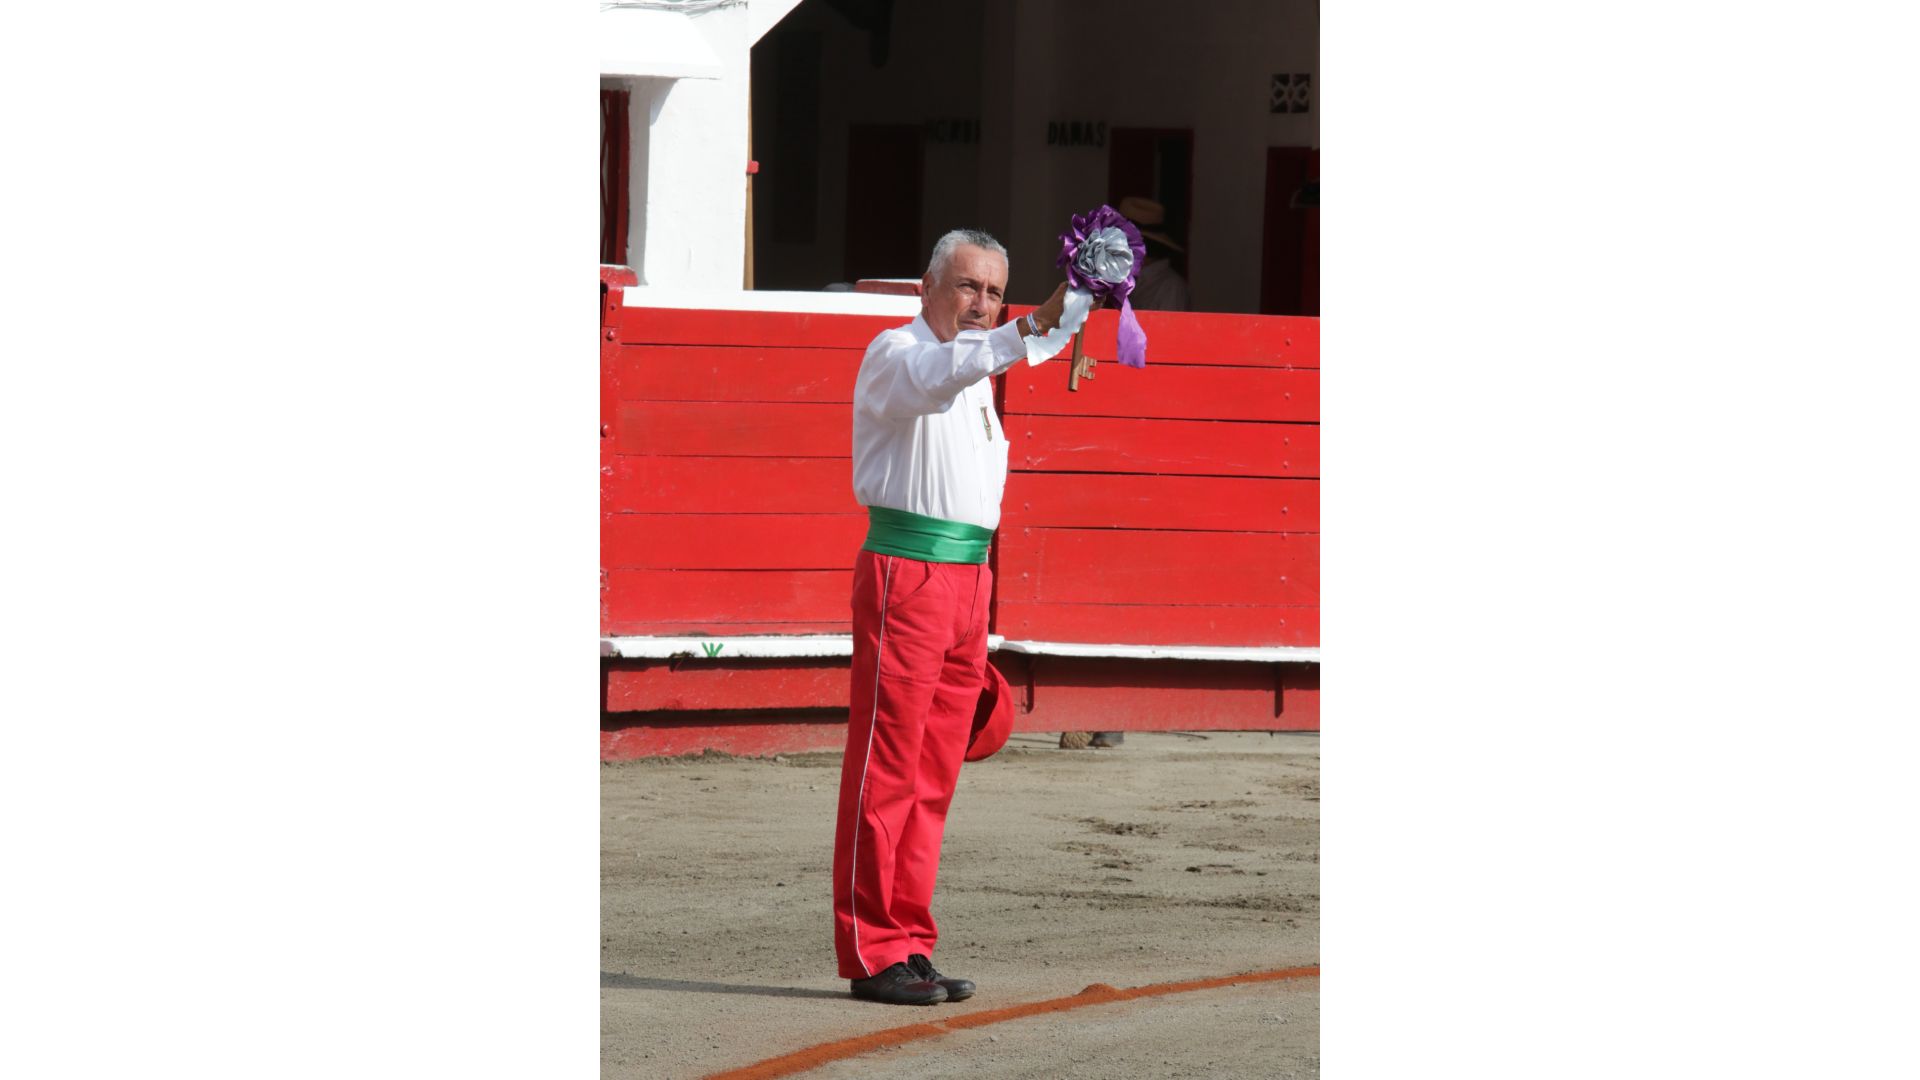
1076, 133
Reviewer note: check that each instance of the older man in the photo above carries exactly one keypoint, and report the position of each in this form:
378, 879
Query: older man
930, 464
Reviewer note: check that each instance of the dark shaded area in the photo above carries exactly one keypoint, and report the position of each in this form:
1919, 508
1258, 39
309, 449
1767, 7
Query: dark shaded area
873, 16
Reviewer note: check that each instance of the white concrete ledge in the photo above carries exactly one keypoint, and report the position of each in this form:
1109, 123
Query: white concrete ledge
805, 645
1264, 653
727, 648
825, 303
655, 44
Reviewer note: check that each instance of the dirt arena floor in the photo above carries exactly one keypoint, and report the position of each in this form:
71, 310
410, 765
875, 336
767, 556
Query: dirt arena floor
1175, 857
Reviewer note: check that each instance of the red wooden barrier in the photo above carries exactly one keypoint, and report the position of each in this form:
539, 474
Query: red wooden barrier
1176, 505
1172, 505
694, 706
726, 474
690, 685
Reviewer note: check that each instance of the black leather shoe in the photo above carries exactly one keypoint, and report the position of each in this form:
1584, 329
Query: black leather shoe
899, 985
957, 989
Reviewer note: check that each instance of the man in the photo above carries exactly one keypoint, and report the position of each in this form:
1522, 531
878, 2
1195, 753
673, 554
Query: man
930, 464
1160, 287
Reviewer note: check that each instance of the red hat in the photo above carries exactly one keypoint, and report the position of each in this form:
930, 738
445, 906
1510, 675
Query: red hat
992, 716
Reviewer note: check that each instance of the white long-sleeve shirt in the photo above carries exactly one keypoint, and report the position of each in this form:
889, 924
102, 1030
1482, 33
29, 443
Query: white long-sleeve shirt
926, 438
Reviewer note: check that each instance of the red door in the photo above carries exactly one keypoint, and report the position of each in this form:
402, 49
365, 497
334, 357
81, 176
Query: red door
1290, 251
613, 177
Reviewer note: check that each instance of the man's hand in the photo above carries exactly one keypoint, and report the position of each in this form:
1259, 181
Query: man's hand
1047, 315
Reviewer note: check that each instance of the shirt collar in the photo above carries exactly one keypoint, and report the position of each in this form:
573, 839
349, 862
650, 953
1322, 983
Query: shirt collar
920, 330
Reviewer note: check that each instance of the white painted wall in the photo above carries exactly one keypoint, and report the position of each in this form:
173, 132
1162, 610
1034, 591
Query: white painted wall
687, 196
692, 190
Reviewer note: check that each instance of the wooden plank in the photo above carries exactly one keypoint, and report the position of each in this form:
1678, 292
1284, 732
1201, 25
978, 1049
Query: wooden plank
1193, 337
717, 599
772, 329
1074, 710
733, 429
670, 736
628, 624
609, 386
1173, 337
737, 373
609, 397
1124, 566
1235, 504
1108, 694
1184, 447
1176, 392
1146, 624
710, 485
731, 541
738, 684
1300, 696
1067, 694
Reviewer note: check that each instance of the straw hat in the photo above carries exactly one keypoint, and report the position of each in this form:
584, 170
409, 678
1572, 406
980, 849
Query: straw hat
1147, 216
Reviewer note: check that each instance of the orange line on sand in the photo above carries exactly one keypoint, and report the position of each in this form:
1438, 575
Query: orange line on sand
1098, 994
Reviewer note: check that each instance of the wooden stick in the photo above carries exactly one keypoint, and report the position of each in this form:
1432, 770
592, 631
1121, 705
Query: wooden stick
1079, 358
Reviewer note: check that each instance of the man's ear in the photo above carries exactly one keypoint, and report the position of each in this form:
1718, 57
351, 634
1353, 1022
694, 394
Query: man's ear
926, 283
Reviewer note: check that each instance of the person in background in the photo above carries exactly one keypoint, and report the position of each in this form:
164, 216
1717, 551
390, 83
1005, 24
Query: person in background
1160, 287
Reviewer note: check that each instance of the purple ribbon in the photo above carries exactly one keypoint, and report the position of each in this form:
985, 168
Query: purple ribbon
1102, 253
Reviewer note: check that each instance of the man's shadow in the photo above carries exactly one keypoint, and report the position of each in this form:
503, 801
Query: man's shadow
623, 981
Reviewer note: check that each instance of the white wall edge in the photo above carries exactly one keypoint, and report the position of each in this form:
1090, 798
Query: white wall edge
726, 648
653, 44
825, 303
1293, 654
804, 645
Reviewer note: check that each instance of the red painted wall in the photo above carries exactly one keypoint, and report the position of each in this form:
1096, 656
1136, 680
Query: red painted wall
1173, 505
726, 476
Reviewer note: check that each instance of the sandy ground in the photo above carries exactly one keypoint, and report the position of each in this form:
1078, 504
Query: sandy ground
1175, 857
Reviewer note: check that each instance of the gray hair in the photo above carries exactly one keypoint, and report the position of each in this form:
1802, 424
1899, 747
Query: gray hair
944, 248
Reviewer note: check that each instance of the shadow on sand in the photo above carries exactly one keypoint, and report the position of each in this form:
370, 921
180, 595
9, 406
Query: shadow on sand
623, 981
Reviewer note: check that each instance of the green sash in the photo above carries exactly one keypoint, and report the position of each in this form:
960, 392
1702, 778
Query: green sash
929, 539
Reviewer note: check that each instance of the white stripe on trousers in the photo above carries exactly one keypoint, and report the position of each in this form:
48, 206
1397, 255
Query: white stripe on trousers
860, 804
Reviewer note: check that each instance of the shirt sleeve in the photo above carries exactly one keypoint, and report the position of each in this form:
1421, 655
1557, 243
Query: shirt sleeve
903, 377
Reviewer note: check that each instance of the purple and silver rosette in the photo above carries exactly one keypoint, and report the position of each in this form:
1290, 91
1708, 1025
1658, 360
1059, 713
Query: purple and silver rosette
1102, 253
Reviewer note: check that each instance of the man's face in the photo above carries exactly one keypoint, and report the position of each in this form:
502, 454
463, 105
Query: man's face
965, 294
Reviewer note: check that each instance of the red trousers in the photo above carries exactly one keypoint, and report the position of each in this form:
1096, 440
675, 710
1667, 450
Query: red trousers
919, 663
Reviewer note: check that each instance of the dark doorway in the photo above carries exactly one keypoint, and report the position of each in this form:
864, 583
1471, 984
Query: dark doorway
883, 201
613, 176
1158, 164
1290, 251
